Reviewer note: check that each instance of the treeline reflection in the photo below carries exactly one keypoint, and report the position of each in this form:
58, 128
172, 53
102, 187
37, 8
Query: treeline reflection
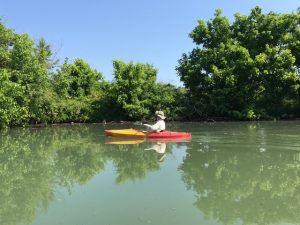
251, 186
35, 162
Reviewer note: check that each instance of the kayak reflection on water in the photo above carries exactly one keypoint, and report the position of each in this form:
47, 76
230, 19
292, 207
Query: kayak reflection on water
159, 145
160, 148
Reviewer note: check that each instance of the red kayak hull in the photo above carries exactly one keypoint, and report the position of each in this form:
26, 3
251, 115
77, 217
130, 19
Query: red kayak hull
169, 134
136, 133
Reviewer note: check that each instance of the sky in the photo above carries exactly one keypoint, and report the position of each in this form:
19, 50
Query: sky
144, 31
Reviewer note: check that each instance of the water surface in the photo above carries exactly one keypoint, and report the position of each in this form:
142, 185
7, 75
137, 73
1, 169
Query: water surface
230, 173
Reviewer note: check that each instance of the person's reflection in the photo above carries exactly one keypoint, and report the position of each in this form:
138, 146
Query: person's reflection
160, 148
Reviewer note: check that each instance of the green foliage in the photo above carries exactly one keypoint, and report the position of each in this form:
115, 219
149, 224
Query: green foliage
72, 110
76, 79
24, 70
31, 92
246, 70
13, 109
78, 89
171, 99
135, 94
134, 87
249, 66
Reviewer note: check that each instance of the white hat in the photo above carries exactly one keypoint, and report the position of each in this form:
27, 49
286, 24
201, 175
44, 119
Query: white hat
160, 114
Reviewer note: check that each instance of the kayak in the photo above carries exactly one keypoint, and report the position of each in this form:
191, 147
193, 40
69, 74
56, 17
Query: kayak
125, 133
169, 134
137, 133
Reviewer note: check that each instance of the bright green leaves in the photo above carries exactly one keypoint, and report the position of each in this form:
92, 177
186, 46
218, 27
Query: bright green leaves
77, 89
13, 103
215, 32
32, 92
134, 87
278, 77
21, 57
135, 94
6, 40
240, 68
77, 79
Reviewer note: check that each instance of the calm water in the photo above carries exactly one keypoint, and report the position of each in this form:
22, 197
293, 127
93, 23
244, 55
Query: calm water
230, 173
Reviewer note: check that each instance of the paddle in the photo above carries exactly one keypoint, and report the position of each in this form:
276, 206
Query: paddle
140, 123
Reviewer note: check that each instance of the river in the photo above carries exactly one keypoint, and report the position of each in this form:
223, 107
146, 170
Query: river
229, 173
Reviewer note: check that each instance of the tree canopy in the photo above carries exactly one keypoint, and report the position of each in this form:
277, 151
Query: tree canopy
245, 70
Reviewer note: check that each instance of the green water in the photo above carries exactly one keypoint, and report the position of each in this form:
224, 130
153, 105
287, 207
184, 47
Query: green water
230, 173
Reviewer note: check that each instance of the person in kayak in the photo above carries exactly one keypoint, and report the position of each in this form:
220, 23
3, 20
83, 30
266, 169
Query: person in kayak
160, 124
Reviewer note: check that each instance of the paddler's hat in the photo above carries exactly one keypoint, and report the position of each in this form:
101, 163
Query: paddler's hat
160, 114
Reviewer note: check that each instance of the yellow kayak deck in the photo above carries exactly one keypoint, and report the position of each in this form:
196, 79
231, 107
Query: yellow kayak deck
125, 133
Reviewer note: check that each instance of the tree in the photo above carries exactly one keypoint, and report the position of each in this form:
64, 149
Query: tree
78, 90
24, 71
171, 99
236, 69
76, 79
133, 88
13, 110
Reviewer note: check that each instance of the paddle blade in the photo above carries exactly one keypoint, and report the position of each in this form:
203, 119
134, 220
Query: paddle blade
138, 123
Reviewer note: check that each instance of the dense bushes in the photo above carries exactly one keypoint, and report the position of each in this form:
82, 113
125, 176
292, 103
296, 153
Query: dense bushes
247, 70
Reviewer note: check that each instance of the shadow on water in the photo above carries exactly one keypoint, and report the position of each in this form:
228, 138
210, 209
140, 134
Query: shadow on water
239, 173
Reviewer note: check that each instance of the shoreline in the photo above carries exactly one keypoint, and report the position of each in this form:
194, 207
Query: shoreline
210, 121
